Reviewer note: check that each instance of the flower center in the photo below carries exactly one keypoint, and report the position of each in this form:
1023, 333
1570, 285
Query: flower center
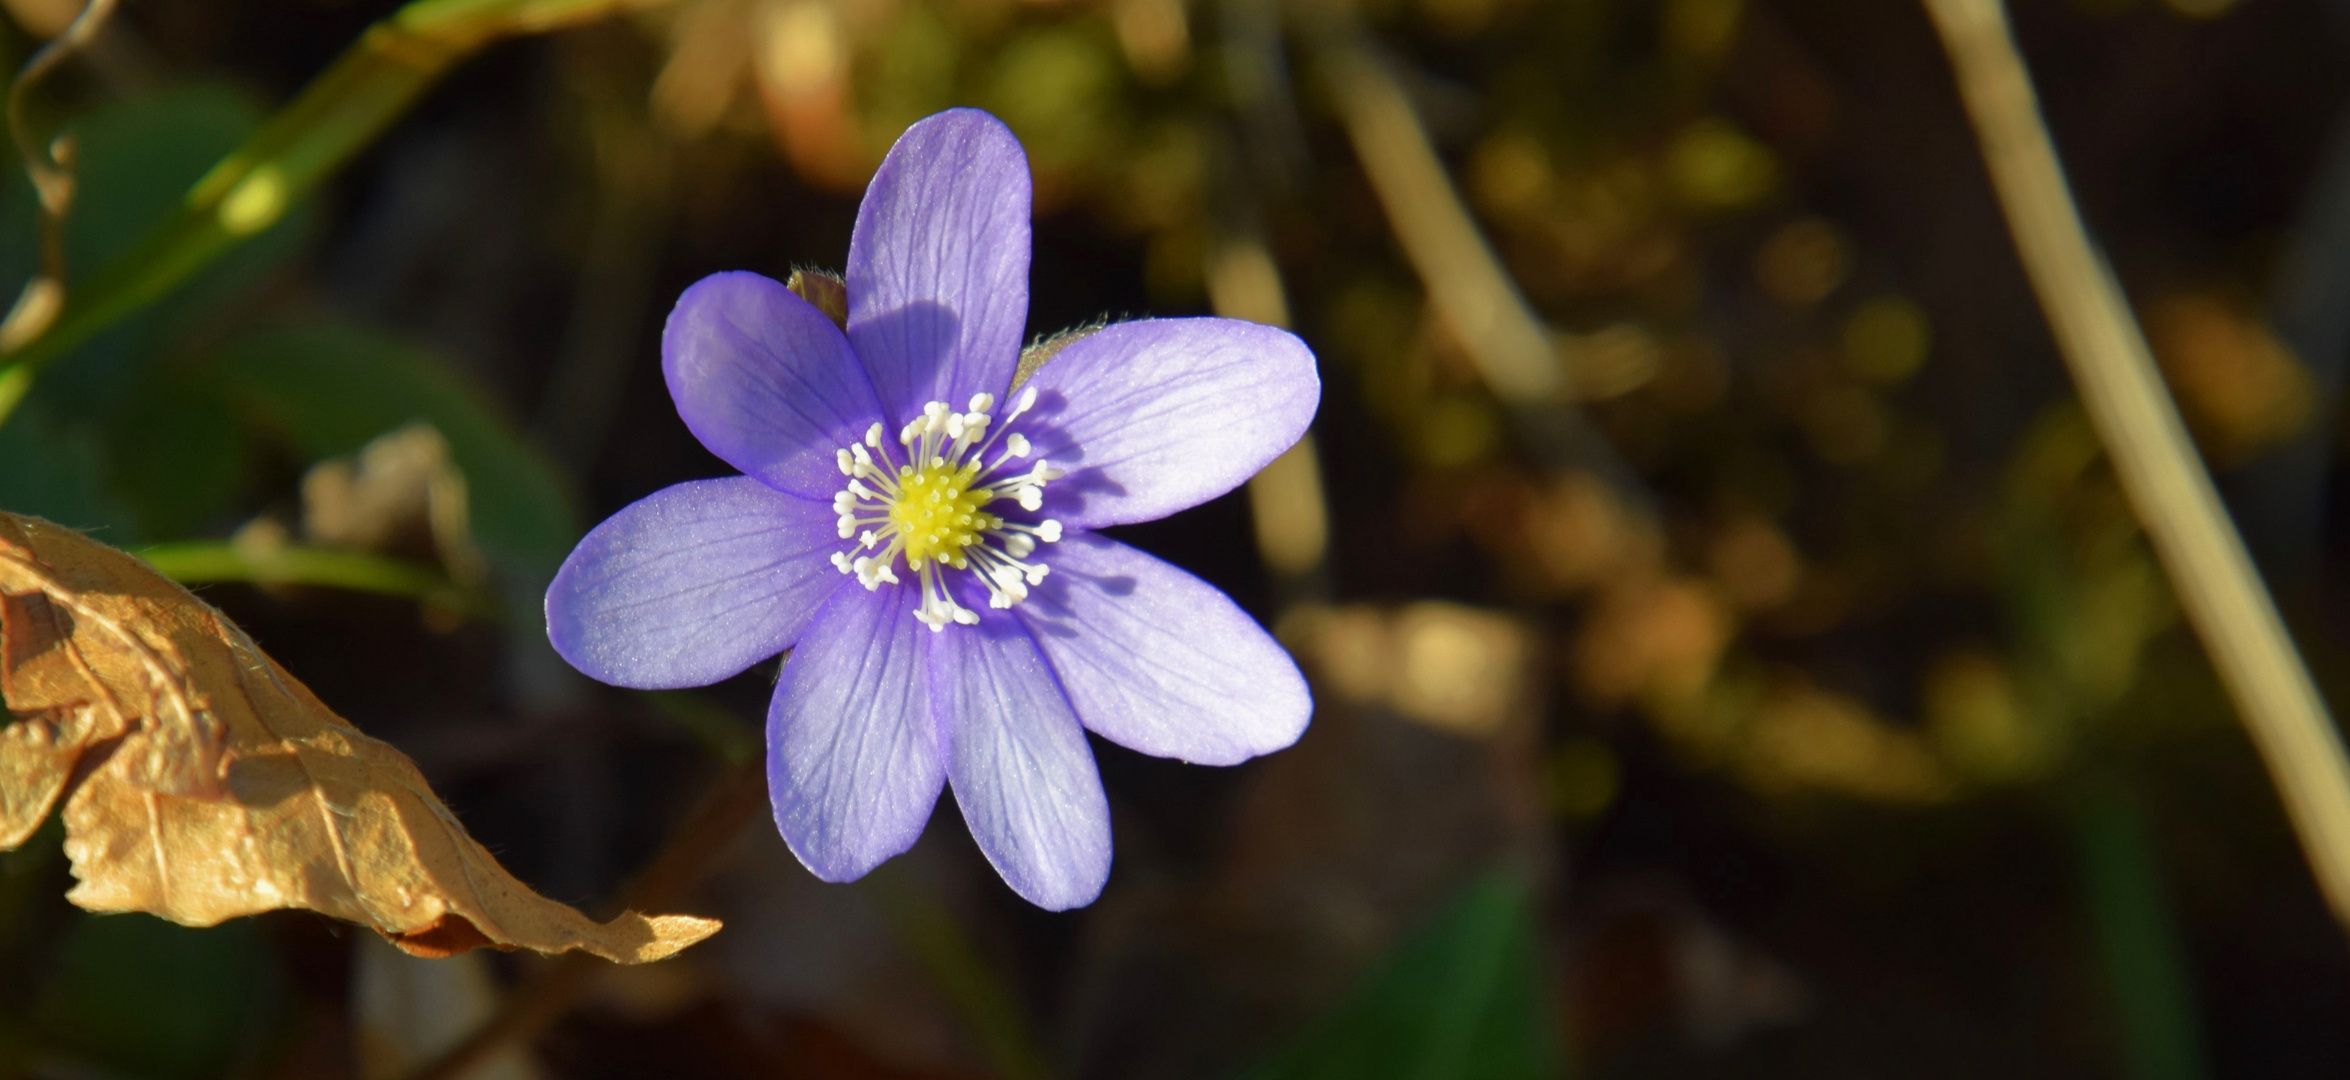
937, 511
930, 509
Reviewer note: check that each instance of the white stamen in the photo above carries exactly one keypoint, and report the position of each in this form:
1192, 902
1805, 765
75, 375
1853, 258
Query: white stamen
946, 461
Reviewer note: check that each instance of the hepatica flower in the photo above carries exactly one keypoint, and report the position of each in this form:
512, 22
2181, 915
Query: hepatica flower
917, 531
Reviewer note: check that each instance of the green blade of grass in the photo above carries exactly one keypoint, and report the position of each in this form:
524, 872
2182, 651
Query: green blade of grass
339, 114
201, 562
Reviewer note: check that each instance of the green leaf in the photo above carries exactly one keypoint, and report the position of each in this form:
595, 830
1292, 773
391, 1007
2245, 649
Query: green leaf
329, 388
1462, 999
176, 454
54, 467
250, 189
120, 439
137, 159
151, 999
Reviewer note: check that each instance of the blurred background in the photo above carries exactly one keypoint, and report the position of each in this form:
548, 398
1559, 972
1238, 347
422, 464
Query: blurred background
1734, 655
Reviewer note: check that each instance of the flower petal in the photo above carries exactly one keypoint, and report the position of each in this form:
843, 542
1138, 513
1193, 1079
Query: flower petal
766, 381
1019, 764
1160, 415
1157, 660
938, 265
853, 756
692, 584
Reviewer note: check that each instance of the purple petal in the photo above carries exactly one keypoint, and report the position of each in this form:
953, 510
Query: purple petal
766, 381
1160, 415
853, 756
1019, 764
938, 265
692, 584
1158, 661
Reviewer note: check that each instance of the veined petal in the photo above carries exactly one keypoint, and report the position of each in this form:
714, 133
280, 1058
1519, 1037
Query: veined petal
766, 381
938, 265
854, 760
692, 584
1160, 415
1159, 661
1019, 765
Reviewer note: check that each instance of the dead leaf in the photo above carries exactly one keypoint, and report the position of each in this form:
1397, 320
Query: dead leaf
401, 494
202, 782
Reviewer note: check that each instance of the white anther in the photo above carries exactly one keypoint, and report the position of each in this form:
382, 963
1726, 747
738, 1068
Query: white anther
1016, 445
873, 435
1049, 531
982, 402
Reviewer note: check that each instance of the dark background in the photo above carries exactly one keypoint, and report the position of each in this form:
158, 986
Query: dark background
1845, 727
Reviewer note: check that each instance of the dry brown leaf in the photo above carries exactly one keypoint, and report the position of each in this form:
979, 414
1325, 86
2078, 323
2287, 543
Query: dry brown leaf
202, 782
401, 494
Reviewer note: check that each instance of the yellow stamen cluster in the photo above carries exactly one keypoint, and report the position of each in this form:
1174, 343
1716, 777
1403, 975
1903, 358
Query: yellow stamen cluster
938, 512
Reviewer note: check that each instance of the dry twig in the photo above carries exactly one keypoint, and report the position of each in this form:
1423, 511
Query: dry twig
2157, 463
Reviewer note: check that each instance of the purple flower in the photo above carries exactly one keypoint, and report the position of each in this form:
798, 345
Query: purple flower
916, 530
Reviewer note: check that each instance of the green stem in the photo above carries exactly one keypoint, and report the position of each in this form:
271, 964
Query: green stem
975, 989
2137, 938
711, 724
195, 562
